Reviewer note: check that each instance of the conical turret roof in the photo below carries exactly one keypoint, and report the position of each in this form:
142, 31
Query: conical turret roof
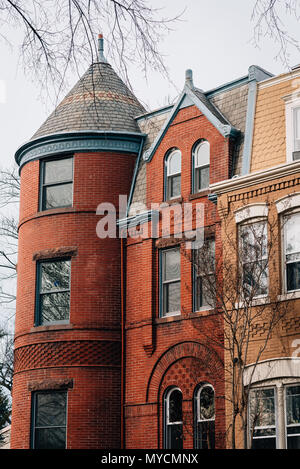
99, 101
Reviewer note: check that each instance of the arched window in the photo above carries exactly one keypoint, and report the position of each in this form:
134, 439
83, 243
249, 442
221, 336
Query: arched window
173, 175
201, 161
205, 417
173, 419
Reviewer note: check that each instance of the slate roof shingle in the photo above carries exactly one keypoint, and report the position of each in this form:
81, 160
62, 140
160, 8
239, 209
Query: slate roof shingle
100, 100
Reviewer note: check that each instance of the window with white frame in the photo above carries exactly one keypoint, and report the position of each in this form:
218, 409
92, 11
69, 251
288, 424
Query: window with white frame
296, 133
274, 416
173, 419
253, 246
292, 412
291, 245
173, 175
170, 282
201, 160
204, 275
56, 185
205, 417
262, 417
292, 127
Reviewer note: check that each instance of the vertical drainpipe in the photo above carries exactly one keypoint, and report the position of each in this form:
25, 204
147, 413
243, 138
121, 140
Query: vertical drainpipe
123, 290
122, 346
252, 92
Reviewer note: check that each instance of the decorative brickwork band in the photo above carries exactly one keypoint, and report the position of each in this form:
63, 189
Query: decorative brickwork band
73, 353
185, 349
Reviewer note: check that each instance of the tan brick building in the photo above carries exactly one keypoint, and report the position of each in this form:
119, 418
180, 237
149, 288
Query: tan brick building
266, 196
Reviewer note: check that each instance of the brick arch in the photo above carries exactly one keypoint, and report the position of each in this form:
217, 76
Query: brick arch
175, 353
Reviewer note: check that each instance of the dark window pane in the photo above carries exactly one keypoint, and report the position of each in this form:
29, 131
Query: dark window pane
55, 275
202, 178
293, 408
255, 277
296, 155
207, 403
51, 409
54, 307
58, 196
204, 291
50, 438
205, 435
262, 409
293, 442
175, 406
264, 443
171, 292
58, 171
49, 427
293, 276
174, 186
174, 437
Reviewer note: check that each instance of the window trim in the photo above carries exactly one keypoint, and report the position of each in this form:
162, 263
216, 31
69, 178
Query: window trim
252, 221
195, 168
167, 176
292, 103
166, 407
162, 283
276, 426
37, 318
43, 185
290, 385
195, 277
196, 398
279, 384
284, 215
33, 413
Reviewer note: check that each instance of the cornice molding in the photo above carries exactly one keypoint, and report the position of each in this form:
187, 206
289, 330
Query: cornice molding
243, 182
70, 142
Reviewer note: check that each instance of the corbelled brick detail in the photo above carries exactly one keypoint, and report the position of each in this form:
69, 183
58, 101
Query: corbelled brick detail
87, 353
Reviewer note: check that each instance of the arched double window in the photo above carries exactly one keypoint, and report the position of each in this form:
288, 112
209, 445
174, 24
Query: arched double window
204, 417
201, 162
173, 419
173, 175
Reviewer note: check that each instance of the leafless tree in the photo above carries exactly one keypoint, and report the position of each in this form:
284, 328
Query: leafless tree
269, 17
61, 36
234, 286
9, 199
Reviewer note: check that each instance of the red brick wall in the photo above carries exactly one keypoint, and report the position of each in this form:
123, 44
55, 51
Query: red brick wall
188, 127
177, 350
88, 349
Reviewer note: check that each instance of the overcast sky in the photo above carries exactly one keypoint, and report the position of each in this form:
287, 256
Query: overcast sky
213, 38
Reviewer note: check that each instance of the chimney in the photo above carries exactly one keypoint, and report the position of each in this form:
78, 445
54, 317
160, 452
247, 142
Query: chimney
189, 78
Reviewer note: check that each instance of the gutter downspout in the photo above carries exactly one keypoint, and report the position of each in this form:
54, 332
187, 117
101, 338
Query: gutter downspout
122, 347
123, 289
